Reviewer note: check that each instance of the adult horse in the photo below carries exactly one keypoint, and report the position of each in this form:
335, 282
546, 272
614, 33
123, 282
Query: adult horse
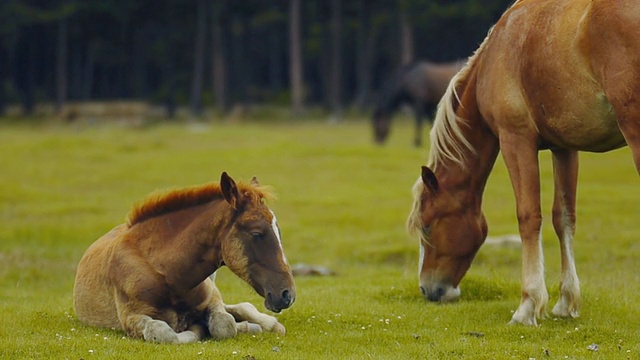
562, 75
151, 276
421, 85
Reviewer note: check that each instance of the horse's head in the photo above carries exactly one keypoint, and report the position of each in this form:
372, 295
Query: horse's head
450, 232
253, 249
381, 121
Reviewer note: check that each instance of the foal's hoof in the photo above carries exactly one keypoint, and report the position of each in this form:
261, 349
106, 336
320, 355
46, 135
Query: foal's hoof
279, 329
250, 328
160, 332
222, 326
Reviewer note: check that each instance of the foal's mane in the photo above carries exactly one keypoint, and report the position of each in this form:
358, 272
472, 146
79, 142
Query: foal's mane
165, 201
446, 137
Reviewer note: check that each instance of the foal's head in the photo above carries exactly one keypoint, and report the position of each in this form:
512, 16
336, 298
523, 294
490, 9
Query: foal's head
450, 234
252, 248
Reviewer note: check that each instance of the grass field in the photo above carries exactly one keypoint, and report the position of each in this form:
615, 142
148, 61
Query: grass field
342, 203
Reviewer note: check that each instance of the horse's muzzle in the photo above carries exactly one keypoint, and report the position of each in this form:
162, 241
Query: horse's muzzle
440, 293
279, 302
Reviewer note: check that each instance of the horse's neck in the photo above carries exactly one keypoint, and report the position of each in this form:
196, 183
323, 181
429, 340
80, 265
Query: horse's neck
468, 178
185, 245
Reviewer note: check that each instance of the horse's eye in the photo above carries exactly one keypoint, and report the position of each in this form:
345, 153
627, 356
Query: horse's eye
256, 235
426, 231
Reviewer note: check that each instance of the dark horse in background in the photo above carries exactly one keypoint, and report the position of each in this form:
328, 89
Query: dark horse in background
419, 84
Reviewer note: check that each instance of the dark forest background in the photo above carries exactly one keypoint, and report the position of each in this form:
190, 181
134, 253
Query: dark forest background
221, 53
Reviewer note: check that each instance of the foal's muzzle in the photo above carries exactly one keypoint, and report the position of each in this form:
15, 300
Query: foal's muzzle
278, 302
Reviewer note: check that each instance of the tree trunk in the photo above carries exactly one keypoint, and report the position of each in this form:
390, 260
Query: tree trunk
138, 67
364, 55
198, 62
335, 85
87, 76
170, 86
406, 38
295, 57
4, 66
61, 66
29, 68
276, 69
219, 65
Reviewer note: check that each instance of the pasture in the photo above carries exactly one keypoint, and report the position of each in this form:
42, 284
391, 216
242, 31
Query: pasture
342, 203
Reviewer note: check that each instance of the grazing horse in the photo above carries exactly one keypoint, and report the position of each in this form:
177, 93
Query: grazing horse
421, 85
151, 276
562, 75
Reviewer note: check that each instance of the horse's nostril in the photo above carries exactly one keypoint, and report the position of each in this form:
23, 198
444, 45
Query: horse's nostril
436, 294
423, 291
286, 297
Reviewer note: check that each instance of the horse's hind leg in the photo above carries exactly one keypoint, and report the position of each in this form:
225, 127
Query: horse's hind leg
565, 167
247, 312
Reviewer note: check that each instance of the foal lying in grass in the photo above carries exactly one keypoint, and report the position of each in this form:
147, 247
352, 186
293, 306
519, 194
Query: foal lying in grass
151, 276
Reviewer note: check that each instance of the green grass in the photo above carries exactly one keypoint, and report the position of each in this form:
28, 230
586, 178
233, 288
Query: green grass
342, 204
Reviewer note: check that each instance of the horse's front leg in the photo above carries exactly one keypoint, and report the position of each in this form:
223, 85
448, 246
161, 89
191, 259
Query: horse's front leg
565, 167
521, 157
221, 324
247, 312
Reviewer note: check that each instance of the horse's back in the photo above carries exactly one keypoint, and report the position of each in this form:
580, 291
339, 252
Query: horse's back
538, 72
93, 294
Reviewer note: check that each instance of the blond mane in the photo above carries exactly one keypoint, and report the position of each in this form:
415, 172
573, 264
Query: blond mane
446, 137
414, 221
166, 201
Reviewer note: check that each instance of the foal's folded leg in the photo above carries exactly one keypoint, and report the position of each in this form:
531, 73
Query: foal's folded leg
221, 324
247, 312
159, 331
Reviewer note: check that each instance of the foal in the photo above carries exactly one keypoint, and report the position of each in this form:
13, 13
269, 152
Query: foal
151, 276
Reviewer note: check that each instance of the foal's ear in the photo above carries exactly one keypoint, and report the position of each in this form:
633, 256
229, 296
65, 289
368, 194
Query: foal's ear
429, 179
254, 181
229, 189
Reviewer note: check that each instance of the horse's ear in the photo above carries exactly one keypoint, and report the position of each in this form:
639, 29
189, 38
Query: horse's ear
229, 189
254, 181
429, 179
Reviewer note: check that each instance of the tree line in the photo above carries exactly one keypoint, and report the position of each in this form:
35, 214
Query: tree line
218, 53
